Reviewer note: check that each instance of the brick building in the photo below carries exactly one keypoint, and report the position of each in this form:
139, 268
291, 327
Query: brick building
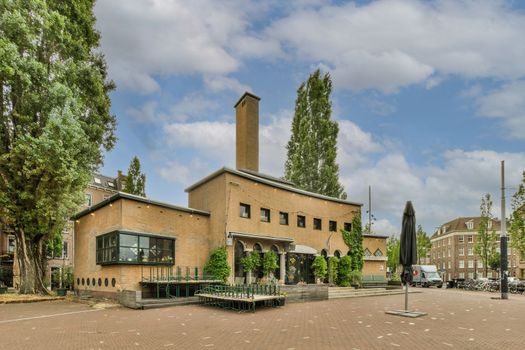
124, 237
453, 250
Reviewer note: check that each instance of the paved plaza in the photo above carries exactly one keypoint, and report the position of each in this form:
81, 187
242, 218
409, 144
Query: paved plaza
456, 319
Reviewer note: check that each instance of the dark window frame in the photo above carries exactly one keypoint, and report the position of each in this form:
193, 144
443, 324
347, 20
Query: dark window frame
332, 226
164, 250
248, 210
266, 218
318, 224
301, 218
347, 226
283, 214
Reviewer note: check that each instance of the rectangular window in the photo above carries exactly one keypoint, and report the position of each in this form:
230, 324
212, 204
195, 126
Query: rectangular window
244, 210
460, 239
301, 221
449, 241
332, 225
283, 218
471, 275
64, 249
462, 264
11, 244
449, 264
317, 224
347, 226
88, 202
265, 215
461, 275
470, 239
449, 253
471, 264
470, 251
480, 264
131, 248
461, 251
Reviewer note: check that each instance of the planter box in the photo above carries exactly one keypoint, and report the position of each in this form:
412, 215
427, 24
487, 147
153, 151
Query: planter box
61, 292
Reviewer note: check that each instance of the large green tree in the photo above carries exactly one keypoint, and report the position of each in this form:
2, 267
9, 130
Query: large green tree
517, 219
312, 149
54, 121
422, 243
486, 240
135, 180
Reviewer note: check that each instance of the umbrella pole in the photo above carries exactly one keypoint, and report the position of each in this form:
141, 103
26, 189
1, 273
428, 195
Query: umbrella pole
406, 296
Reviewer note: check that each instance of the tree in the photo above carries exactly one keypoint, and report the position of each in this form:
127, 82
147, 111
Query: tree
392, 252
135, 180
345, 269
217, 264
485, 245
495, 261
54, 122
423, 243
333, 269
312, 149
354, 242
517, 219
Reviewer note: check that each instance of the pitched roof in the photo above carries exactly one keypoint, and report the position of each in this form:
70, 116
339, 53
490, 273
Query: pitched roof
267, 180
460, 224
104, 182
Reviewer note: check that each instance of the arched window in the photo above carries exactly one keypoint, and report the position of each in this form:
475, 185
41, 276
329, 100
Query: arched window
337, 254
324, 253
378, 252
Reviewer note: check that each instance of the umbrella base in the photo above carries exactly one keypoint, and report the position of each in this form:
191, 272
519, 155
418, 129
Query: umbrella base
406, 313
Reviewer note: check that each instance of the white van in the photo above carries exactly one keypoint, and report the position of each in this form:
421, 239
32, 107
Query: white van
426, 276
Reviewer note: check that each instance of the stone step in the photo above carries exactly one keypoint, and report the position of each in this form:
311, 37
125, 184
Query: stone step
158, 303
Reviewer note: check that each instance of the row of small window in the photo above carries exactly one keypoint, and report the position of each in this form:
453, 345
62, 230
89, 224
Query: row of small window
89, 199
265, 216
461, 252
130, 248
87, 282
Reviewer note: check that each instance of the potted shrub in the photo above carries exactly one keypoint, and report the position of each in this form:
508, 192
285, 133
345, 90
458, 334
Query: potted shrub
65, 278
249, 264
356, 278
333, 269
320, 268
269, 264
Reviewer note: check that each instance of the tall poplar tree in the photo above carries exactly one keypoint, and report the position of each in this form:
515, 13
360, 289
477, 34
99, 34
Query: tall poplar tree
54, 122
486, 240
312, 149
517, 219
135, 180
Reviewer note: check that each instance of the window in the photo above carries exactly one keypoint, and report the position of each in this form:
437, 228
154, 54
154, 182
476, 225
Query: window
449, 241
378, 252
470, 251
64, 249
449, 264
461, 275
11, 244
470, 239
317, 224
462, 264
111, 184
461, 251
283, 218
471, 264
244, 210
347, 226
131, 248
332, 226
265, 215
97, 181
367, 252
449, 253
471, 275
301, 221
470, 225
88, 199
460, 239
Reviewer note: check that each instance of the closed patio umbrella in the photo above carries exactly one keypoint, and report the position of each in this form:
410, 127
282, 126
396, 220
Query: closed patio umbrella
408, 249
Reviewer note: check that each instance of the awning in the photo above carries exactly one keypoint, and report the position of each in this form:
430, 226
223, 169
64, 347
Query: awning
304, 249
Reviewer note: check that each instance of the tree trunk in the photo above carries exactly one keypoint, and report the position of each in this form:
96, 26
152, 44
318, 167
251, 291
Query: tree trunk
31, 265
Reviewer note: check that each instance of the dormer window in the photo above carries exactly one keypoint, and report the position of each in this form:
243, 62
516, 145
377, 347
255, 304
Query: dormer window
470, 225
97, 181
111, 184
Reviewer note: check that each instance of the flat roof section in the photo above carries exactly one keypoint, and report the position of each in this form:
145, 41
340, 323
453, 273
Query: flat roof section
123, 195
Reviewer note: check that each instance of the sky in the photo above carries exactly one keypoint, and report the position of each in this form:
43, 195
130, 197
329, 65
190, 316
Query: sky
429, 95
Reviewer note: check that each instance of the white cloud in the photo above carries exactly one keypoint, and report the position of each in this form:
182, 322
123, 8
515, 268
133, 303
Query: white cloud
176, 172
391, 44
221, 83
507, 103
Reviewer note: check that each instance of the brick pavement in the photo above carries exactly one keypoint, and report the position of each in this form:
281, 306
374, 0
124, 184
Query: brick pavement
456, 319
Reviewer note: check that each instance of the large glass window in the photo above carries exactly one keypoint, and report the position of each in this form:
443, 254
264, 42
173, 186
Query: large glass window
123, 247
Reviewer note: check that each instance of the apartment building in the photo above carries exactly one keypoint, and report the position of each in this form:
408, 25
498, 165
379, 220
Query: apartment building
453, 250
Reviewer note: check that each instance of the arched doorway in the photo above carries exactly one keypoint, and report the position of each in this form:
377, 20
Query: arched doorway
337, 254
238, 255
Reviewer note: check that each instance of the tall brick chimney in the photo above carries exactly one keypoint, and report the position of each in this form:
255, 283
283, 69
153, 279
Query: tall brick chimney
247, 135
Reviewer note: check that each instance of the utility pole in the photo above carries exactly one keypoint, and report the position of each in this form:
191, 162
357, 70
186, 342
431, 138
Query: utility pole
370, 209
503, 238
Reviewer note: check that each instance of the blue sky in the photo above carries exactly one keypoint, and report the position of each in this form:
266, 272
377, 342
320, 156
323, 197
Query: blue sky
429, 95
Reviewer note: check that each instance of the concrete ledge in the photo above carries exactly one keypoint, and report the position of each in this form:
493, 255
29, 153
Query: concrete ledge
130, 298
305, 292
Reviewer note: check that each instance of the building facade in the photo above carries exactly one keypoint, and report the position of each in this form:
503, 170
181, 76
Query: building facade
454, 255
123, 238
